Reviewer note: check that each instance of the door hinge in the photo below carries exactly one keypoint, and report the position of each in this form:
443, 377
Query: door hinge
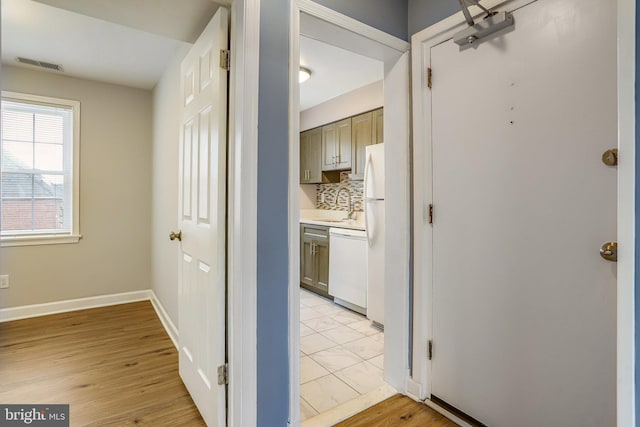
224, 59
430, 349
223, 374
429, 76
430, 214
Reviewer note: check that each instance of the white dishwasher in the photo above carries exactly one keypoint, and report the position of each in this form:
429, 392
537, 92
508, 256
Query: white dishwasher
348, 268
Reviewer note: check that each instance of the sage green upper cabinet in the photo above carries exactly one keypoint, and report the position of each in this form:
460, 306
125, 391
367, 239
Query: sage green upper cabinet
310, 156
336, 145
378, 127
366, 129
361, 136
329, 138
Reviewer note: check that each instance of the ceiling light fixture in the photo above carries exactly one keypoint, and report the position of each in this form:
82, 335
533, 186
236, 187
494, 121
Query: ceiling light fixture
304, 75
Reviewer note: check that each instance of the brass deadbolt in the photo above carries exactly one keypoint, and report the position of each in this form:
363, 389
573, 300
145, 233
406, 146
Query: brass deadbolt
610, 157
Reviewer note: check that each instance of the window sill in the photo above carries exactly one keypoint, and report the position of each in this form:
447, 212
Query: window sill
45, 239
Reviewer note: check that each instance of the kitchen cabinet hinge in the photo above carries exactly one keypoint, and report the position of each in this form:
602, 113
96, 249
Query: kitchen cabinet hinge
430, 214
430, 349
429, 76
224, 59
223, 374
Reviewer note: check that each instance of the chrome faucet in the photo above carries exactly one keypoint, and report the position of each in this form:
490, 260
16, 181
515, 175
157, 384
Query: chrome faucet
350, 210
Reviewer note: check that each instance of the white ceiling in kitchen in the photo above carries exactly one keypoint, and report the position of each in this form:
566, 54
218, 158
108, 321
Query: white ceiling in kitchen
335, 71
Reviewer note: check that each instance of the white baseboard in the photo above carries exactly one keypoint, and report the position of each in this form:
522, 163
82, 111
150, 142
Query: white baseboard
169, 326
35, 310
415, 390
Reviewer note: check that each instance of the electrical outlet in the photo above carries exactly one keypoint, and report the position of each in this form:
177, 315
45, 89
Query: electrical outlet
4, 281
322, 198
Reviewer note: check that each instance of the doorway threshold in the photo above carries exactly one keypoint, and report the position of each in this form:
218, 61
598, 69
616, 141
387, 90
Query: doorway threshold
350, 408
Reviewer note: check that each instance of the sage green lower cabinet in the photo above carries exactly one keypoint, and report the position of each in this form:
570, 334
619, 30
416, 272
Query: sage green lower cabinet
314, 258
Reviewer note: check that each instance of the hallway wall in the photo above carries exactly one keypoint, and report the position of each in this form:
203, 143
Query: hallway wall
387, 15
115, 181
423, 13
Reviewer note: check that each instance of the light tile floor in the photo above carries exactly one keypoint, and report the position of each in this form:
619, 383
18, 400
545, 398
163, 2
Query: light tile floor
341, 355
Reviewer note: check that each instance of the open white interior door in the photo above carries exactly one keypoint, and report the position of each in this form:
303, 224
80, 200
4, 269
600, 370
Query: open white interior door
202, 218
524, 320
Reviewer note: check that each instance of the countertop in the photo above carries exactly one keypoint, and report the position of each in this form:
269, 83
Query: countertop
329, 218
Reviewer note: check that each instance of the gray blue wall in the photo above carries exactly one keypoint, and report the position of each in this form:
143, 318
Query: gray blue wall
637, 221
387, 15
272, 227
423, 13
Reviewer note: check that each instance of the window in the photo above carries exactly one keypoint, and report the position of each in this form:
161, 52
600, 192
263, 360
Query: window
39, 183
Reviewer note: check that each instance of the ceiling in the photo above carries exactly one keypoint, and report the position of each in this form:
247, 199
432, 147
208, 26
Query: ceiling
131, 42
127, 42
181, 20
334, 71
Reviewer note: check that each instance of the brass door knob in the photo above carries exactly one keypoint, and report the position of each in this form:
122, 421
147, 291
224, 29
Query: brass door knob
609, 251
174, 236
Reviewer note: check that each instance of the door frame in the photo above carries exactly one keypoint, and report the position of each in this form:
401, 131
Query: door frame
626, 399
421, 43
395, 51
242, 193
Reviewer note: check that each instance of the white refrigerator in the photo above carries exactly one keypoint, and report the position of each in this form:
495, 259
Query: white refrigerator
374, 224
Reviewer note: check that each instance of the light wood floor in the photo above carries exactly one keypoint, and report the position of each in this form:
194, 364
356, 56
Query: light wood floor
398, 411
113, 365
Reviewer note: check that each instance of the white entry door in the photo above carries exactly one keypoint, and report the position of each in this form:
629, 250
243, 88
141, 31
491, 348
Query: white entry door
524, 307
202, 217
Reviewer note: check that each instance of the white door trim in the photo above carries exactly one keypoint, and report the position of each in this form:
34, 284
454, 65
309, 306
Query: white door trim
294, 216
395, 375
421, 42
329, 15
626, 411
242, 215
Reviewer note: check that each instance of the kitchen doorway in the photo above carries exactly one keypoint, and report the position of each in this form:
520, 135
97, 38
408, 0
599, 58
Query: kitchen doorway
333, 343
341, 309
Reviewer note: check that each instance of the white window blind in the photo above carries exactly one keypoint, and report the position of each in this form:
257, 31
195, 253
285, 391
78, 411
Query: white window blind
37, 188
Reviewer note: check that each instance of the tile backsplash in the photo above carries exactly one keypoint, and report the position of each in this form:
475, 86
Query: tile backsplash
329, 191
